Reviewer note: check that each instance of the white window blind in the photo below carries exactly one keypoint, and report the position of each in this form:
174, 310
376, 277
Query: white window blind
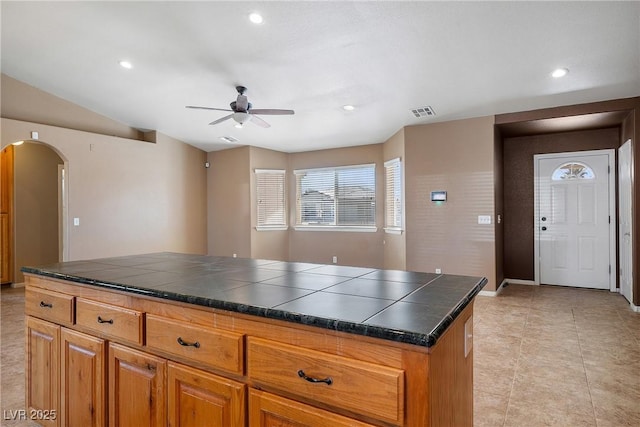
336, 197
393, 194
270, 194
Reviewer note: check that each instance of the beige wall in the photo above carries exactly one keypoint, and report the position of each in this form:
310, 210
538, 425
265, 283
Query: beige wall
395, 253
272, 244
229, 203
457, 157
351, 248
23, 102
35, 206
130, 196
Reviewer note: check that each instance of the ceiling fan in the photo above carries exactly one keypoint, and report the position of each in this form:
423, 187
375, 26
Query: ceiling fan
242, 112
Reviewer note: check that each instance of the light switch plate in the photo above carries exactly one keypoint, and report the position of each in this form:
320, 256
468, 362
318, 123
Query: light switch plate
76, 221
484, 219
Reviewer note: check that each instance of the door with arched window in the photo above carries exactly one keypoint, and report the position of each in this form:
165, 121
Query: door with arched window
575, 219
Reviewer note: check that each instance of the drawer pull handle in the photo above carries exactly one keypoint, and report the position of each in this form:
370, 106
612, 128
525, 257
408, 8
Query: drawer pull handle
188, 344
327, 381
101, 320
47, 305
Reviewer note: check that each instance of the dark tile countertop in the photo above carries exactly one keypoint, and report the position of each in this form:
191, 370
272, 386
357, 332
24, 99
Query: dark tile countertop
402, 306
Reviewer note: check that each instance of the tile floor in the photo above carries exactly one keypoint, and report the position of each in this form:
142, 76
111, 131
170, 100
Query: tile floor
543, 356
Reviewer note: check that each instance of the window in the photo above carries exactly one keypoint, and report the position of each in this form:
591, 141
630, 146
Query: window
573, 171
336, 197
393, 196
270, 195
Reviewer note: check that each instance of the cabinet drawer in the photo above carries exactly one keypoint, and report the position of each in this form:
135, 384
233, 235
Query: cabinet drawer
49, 305
362, 387
269, 410
213, 347
110, 320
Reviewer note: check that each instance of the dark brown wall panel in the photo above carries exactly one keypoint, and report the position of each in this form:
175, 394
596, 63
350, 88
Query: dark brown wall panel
518, 188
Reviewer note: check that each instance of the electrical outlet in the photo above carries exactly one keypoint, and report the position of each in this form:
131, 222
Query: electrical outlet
468, 336
438, 271
335, 259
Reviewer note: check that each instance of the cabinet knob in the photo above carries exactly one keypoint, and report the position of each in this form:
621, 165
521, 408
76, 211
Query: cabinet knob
544, 228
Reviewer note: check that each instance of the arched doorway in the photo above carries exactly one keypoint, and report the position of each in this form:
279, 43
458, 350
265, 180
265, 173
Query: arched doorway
38, 207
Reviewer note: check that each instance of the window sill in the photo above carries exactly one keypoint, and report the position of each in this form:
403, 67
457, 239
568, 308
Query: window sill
350, 229
393, 230
272, 228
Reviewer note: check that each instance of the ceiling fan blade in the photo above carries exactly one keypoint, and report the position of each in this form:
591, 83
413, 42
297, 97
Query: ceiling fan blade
222, 119
207, 108
257, 120
271, 112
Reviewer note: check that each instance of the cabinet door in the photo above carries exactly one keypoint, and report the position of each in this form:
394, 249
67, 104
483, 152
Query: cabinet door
82, 379
41, 371
198, 398
269, 410
136, 388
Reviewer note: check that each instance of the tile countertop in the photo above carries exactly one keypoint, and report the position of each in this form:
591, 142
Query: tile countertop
402, 306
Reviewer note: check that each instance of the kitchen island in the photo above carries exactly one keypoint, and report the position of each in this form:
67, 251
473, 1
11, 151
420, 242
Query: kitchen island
174, 339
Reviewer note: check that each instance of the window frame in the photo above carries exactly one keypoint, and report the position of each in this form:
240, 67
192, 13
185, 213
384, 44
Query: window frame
395, 228
299, 226
285, 212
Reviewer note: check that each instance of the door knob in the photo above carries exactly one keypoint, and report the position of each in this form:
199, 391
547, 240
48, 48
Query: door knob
544, 228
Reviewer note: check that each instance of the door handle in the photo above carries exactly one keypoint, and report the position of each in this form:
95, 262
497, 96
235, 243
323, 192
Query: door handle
544, 228
627, 234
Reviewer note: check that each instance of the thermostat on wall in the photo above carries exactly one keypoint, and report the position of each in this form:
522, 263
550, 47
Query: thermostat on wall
438, 196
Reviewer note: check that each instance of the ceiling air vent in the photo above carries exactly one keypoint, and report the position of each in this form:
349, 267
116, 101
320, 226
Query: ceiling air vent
423, 112
229, 139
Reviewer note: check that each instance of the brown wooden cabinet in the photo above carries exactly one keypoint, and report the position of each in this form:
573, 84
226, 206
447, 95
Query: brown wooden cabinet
136, 388
82, 380
197, 398
163, 363
270, 410
42, 381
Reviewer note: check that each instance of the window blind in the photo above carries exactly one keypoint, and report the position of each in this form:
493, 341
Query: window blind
393, 194
270, 194
342, 196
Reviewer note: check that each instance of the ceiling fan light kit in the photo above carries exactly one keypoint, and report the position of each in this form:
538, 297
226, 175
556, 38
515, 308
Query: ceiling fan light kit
242, 112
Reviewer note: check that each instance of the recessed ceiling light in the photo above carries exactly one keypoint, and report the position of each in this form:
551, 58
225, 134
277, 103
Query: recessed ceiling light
348, 107
559, 72
126, 64
256, 18
228, 139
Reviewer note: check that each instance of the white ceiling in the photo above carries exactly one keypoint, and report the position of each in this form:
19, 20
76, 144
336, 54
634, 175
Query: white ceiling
464, 59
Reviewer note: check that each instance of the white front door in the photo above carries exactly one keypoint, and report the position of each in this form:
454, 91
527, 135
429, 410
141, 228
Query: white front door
624, 206
574, 221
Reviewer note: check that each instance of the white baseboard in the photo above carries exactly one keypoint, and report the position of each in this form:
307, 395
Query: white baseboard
17, 285
493, 293
634, 307
521, 282
504, 283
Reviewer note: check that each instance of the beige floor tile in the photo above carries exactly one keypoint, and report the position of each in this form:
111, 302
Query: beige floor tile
489, 409
616, 408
